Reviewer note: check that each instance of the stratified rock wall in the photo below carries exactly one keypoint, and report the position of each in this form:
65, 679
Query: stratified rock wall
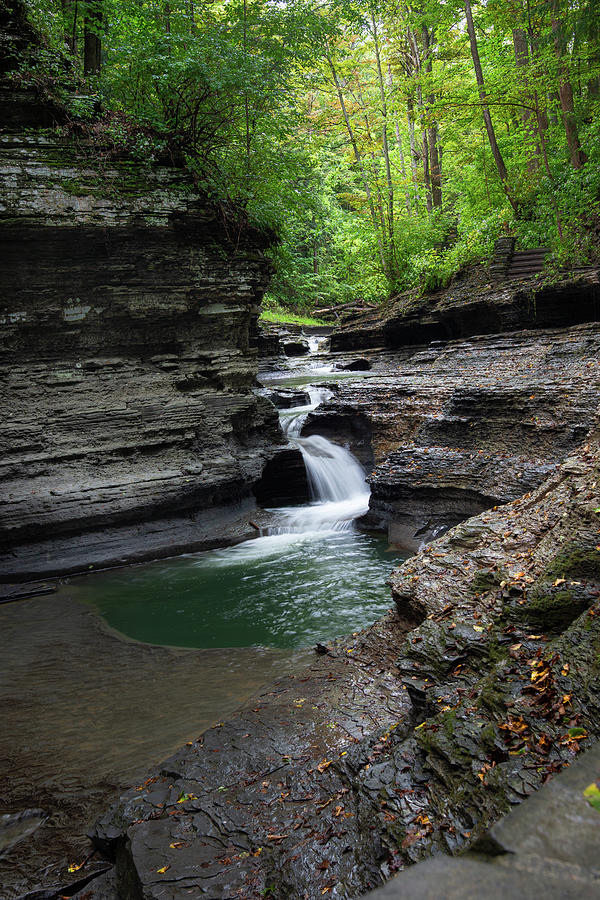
473, 305
453, 428
126, 370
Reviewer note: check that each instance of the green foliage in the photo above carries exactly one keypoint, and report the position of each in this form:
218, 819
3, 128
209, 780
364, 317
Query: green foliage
280, 316
322, 121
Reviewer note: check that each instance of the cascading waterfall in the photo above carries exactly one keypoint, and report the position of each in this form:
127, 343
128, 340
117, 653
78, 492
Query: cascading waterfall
309, 577
336, 480
317, 343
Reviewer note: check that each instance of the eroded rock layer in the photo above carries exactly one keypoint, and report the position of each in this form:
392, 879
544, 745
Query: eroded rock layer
452, 428
126, 369
475, 304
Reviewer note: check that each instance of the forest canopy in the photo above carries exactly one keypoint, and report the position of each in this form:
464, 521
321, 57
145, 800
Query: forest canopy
388, 144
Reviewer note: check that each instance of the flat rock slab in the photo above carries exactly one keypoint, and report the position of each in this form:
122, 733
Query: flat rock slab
558, 822
444, 878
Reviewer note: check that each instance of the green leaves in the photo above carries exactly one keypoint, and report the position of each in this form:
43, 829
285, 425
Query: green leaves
319, 119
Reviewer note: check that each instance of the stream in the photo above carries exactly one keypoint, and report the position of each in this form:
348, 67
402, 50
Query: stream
311, 576
96, 692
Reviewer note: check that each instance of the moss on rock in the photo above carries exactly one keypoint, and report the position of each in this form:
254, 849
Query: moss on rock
575, 561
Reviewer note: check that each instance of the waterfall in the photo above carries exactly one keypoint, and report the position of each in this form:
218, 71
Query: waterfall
317, 343
336, 481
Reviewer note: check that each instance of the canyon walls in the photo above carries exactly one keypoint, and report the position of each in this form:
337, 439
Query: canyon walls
451, 427
129, 424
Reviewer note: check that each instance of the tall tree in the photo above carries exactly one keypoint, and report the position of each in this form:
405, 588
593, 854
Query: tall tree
92, 44
358, 158
435, 167
385, 144
528, 114
487, 118
565, 89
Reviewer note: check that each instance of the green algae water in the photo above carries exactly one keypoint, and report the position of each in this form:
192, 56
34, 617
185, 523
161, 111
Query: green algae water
284, 590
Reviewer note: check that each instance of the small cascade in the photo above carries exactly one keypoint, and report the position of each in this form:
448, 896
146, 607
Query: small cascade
310, 576
336, 480
318, 343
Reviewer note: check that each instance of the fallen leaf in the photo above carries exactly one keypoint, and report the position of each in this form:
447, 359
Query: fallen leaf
592, 795
163, 869
75, 867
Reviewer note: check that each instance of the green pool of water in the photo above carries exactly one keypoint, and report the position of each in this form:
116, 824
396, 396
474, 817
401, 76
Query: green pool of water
285, 591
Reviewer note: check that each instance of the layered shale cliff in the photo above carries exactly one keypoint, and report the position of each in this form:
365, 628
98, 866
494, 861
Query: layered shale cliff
127, 303
454, 426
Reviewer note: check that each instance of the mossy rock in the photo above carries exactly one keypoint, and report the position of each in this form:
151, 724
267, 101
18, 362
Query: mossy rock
552, 611
486, 580
575, 561
491, 696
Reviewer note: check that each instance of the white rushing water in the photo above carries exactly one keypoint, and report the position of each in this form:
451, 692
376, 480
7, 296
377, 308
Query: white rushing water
317, 343
336, 481
338, 491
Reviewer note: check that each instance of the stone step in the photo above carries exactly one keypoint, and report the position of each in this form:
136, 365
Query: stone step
528, 259
467, 878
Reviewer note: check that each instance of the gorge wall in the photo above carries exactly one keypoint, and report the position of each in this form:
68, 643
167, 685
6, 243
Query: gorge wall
451, 427
127, 303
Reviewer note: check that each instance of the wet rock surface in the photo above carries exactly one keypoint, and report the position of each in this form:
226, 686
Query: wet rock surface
455, 427
394, 744
547, 847
287, 399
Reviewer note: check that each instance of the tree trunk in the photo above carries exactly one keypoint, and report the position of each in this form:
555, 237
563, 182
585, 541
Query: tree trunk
92, 45
489, 126
534, 44
385, 145
414, 155
435, 169
593, 83
359, 161
403, 169
419, 97
521, 47
426, 173
565, 90
69, 15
